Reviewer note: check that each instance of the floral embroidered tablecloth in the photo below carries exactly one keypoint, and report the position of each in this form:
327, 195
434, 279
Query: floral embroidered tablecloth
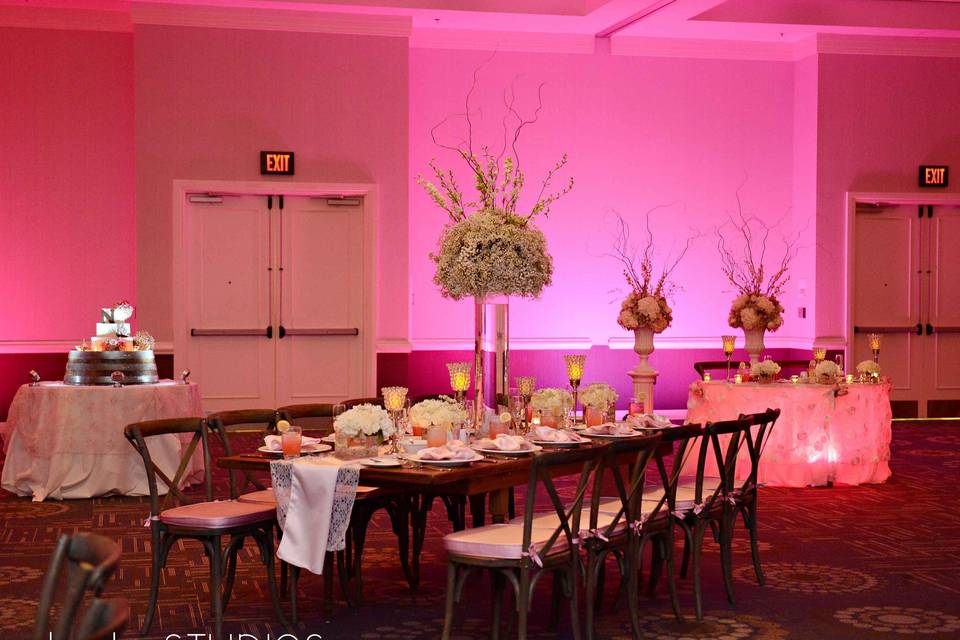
820, 437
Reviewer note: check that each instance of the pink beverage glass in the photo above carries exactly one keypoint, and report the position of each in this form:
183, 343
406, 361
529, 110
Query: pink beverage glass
594, 416
497, 427
291, 440
437, 436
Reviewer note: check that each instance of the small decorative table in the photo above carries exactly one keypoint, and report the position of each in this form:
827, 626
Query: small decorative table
65, 441
821, 436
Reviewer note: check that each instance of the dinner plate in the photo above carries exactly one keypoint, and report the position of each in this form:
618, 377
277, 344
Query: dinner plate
330, 438
381, 461
519, 452
611, 437
310, 448
551, 443
444, 463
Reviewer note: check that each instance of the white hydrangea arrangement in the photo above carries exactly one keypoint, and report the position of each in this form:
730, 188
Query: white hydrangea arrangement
599, 395
432, 413
767, 369
868, 368
826, 372
756, 311
364, 419
551, 399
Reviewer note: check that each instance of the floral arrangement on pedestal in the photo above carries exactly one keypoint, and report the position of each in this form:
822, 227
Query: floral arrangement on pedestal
360, 430
766, 371
757, 308
826, 372
437, 412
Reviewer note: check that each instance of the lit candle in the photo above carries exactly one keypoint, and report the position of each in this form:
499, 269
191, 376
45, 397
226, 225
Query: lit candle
394, 398
819, 354
729, 342
794, 379
707, 377
737, 379
875, 342
849, 378
459, 376
575, 368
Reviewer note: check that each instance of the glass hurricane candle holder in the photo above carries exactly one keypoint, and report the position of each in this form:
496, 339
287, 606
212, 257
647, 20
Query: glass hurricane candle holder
819, 354
575, 364
875, 346
729, 342
394, 401
459, 378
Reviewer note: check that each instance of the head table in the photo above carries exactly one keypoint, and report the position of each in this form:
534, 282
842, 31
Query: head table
66, 441
822, 436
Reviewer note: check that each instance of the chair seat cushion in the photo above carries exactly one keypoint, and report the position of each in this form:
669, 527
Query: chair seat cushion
259, 497
502, 541
218, 515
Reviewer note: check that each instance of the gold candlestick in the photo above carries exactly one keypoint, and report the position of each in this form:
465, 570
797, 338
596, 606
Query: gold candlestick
575, 375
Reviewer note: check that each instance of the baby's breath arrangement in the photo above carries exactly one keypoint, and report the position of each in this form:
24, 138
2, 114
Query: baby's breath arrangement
490, 246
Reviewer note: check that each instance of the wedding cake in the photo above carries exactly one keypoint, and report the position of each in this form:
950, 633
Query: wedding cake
113, 356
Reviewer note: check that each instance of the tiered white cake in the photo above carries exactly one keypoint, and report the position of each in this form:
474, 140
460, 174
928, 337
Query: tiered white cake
113, 352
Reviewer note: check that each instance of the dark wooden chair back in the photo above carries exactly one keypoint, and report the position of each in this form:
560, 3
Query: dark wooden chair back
755, 437
629, 490
137, 435
683, 439
89, 561
541, 475
724, 452
788, 367
104, 619
430, 396
349, 404
298, 411
239, 417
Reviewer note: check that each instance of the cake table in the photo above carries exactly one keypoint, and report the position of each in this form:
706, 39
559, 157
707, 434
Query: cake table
66, 441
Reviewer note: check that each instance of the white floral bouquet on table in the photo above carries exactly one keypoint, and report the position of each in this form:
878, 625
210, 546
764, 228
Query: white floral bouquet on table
646, 304
493, 249
826, 372
767, 369
551, 400
758, 305
433, 413
364, 420
868, 368
599, 395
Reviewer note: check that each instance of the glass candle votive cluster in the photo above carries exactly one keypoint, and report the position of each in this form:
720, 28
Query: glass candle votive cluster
459, 376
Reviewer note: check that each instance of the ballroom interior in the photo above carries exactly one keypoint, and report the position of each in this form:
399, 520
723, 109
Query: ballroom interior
675, 281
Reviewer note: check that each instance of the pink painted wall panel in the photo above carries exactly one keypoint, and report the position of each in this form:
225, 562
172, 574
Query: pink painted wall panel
67, 220
639, 132
880, 117
208, 100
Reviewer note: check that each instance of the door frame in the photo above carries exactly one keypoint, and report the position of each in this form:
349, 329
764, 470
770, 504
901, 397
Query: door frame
268, 187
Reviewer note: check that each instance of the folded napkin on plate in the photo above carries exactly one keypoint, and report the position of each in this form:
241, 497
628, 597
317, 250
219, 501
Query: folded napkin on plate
504, 442
548, 434
274, 443
652, 420
611, 429
449, 451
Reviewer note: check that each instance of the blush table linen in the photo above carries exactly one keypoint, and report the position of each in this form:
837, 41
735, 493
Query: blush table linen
66, 441
315, 496
820, 437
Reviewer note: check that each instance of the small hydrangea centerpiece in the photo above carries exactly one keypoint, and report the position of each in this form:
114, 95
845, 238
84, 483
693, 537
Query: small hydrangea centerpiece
868, 369
444, 412
551, 403
826, 372
766, 371
598, 399
361, 430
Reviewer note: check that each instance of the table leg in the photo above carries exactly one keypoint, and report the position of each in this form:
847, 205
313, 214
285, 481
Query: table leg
499, 505
419, 509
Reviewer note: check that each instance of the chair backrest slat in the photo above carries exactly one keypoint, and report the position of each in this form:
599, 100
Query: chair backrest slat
756, 437
725, 452
104, 619
629, 491
353, 402
313, 410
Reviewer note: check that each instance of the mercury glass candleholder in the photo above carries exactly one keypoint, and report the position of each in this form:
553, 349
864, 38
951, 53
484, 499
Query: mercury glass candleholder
526, 386
394, 401
819, 354
575, 364
729, 343
875, 346
459, 378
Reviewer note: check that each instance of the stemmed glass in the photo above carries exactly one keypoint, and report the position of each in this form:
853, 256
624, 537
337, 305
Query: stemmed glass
518, 411
575, 375
729, 342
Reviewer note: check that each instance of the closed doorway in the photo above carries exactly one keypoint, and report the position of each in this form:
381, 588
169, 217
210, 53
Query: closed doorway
276, 301
906, 287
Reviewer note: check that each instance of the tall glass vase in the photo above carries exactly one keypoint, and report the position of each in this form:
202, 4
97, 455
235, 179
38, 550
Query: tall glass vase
491, 354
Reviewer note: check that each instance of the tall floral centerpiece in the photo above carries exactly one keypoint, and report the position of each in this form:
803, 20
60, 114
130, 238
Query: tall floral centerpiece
757, 308
645, 310
491, 248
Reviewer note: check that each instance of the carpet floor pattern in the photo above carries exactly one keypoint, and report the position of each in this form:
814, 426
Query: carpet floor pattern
877, 561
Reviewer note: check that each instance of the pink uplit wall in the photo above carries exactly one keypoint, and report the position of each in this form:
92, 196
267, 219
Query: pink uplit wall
208, 100
640, 132
68, 238
879, 118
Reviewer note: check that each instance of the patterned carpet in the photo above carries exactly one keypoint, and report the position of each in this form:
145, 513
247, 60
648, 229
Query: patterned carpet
842, 562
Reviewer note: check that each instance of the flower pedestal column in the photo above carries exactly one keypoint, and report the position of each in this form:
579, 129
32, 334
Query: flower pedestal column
644, 376
753, 344
491, 354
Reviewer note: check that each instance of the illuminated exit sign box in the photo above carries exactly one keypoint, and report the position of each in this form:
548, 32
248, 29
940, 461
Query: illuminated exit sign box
934, 175
276, 163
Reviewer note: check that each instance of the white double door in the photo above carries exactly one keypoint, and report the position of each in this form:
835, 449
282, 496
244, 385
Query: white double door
274, 299
906, 287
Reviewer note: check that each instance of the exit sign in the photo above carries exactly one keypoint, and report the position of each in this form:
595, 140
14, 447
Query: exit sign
934, 175
276, 163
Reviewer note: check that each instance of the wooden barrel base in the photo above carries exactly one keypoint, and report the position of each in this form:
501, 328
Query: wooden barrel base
96, 367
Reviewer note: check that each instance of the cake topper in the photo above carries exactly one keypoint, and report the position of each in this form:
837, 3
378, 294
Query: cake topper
184, 375
34, 378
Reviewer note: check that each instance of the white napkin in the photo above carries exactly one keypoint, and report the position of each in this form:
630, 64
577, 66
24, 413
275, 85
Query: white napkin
653, 420
274, 443
504, 442
611, 429
549, 434
449, 451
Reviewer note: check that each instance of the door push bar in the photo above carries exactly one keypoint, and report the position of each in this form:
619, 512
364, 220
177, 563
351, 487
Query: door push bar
268, 332
318, 332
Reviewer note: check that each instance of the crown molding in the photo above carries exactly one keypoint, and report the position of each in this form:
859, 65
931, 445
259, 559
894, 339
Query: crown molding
523, 41
854, 44
65, 19
150, 13
394, 345
701, 48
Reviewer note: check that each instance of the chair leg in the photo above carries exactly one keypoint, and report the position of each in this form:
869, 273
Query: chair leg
156, 565
523, 603
632, 577
698, 534
754, 546
498, 582
686, 557
264, 539
294, 579
592, 598
233, 550
399, 512
656, 565
556, 595
216, 598
451, 593
726, 552
671, 576
601, 579
329, 570
574, 601
419, 510
478, 509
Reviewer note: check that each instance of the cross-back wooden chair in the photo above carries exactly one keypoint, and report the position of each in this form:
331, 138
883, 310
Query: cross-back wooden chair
224, 421
104, 619
353, 402
745, 495
617, 530
89, 560
206, 522
522, 553
709, 503
297, 413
